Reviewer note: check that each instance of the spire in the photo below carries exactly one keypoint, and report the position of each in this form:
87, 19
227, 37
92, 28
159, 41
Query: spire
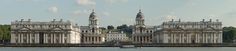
140, 10
93, 10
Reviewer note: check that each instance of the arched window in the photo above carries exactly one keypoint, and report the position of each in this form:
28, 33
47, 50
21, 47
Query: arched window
93, 30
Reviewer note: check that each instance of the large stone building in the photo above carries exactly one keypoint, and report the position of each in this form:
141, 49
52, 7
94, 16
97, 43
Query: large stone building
116, 36
53, 32
91, 34
56, 32
190, 32
142, 33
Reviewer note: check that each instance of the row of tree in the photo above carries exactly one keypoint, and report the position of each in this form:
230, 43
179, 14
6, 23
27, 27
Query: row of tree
124, 28
4, 33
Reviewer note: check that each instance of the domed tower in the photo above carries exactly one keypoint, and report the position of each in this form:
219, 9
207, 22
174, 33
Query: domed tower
139, 26
93, 22
140, 19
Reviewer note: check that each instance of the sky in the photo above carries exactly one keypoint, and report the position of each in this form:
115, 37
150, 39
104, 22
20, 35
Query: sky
118, 12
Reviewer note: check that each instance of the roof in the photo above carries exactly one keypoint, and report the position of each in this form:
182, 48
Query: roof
84, 27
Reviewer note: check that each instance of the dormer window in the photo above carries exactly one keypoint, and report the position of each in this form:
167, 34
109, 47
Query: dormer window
82, 31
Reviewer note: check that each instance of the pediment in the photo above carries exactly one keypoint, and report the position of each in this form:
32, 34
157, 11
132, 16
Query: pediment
209, 28
179, 28
24, 28
57, 28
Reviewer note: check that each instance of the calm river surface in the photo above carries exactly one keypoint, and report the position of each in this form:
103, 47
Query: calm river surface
117, 49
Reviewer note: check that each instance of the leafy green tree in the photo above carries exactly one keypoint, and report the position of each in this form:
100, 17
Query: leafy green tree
4, 33
110, 27
126, 29
229, 34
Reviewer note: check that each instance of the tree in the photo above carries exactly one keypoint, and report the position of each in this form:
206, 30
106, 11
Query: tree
229, 34
125, 29
122, 26
4, 33
102, 28
110, 27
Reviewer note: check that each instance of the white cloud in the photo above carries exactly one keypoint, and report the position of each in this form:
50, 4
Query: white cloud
116, 1
86, 2
53, 9
106, 14
169, 17
81, 12
28, 0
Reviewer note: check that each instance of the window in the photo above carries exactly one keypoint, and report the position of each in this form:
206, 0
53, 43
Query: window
16, 40
33, 41
49, 35
169, 40
57, 41
201, 40
185, 41
41, 26
185, 35
57, 35
16, 35
65, 40
24, 40
65, 35
169, 35
49, 40
208, 40
32, 26
177, 40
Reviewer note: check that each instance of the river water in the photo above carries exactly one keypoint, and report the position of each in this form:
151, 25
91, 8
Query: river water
117, 49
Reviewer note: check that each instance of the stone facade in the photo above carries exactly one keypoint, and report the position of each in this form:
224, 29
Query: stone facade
53, 32
91, 34
190, 32
60, 32
141, 32
116, 36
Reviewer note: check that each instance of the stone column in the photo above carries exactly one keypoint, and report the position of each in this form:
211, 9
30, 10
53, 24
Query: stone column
134, 39
97, 39
90, 39
21, 38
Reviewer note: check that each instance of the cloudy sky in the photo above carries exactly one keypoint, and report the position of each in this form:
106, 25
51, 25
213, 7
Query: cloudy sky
117, 12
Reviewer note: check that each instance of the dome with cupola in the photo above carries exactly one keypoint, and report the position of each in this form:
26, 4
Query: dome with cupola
140, 14
93, 15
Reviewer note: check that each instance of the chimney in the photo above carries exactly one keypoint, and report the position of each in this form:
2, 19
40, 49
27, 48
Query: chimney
179, 20
76, 24
172, 20
29, 20
217, 20
203, 20
210, 20
60, 20
54, 20
22, 20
